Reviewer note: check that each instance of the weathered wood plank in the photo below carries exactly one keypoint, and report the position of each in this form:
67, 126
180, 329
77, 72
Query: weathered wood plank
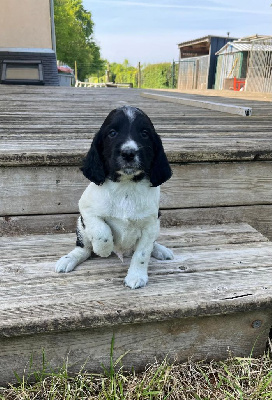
203, 235
188, 148
206, 338
50, 187
222, 184
178, 151
37, 224
258, 216
54, 190
196, 235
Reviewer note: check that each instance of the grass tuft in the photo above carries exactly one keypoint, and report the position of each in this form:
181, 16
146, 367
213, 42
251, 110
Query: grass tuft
236, 378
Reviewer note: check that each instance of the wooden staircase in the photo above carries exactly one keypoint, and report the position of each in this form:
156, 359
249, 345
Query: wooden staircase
214, 299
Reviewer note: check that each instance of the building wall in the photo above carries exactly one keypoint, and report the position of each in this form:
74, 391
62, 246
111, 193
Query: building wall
216, 44
25, 24
48, 59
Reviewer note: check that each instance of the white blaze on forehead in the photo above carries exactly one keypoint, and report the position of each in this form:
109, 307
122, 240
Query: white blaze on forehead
130, 112
130, 145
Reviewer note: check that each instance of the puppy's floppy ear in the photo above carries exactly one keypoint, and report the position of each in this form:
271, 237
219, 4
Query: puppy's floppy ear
160, 169
93, 166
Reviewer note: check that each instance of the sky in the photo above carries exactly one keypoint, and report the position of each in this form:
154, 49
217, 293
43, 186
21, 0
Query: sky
149, 31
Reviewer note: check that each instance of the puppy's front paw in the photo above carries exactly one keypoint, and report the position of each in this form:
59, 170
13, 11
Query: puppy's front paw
161, 252
66, 264
135, 280
103, 246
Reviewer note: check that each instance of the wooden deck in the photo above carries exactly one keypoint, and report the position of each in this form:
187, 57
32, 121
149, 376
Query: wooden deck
214, 297
222, 162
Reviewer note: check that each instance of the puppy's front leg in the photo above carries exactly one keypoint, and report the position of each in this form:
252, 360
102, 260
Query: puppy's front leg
81, 252
100, 235
137, 273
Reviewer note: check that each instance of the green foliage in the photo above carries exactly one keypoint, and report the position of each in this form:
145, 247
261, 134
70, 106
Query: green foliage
74, 29
119, 73
123, 73
157, 76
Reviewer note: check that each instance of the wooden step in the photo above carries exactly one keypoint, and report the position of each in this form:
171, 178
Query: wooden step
214, 298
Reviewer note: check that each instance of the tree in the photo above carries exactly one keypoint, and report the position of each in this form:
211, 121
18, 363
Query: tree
74, 30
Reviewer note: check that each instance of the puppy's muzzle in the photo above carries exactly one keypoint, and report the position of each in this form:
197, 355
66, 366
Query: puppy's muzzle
129, 161
128, 155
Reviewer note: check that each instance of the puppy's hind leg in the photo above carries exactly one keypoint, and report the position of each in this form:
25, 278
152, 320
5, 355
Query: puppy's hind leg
80, 253
161, 252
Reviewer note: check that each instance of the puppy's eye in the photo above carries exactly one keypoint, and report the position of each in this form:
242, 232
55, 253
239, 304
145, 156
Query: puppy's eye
112, 133
144, 134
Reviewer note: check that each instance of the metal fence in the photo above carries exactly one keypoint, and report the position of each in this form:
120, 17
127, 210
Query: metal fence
259, 73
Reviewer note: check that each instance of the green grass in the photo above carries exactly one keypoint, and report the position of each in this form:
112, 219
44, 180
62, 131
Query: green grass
235, 378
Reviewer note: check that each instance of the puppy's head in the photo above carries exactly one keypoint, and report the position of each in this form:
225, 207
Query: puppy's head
126, 145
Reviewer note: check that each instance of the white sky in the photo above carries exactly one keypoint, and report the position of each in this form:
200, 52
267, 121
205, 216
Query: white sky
149, 31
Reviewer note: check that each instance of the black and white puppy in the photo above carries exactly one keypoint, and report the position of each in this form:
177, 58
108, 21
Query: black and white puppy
126, 165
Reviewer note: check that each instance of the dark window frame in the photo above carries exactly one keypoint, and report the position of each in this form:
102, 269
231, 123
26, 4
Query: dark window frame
38, 63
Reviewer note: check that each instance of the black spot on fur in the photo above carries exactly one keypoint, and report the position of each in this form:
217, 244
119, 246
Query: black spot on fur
139, 177
82, 221
79, 241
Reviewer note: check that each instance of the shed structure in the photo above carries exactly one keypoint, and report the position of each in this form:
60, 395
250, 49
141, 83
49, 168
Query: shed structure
27, 42
248, 59
231, 63
197, 62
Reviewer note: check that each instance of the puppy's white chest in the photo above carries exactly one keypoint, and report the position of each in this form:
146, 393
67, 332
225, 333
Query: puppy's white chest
133, 201
124, 201
129, 209
125, 206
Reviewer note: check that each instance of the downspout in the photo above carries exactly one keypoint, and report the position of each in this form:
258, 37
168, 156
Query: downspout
53, 34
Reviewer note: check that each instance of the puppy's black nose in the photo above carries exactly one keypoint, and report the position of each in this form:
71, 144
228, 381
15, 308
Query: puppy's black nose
128, 154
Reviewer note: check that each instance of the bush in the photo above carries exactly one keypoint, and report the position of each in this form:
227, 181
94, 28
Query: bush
157, 76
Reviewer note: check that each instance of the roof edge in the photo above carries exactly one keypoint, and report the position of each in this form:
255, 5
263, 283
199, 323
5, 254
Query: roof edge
205, 38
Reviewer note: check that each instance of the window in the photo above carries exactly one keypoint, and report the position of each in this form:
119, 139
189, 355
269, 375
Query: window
22, 72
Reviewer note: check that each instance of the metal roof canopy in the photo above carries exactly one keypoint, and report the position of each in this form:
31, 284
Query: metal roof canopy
235, 47
238, 46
